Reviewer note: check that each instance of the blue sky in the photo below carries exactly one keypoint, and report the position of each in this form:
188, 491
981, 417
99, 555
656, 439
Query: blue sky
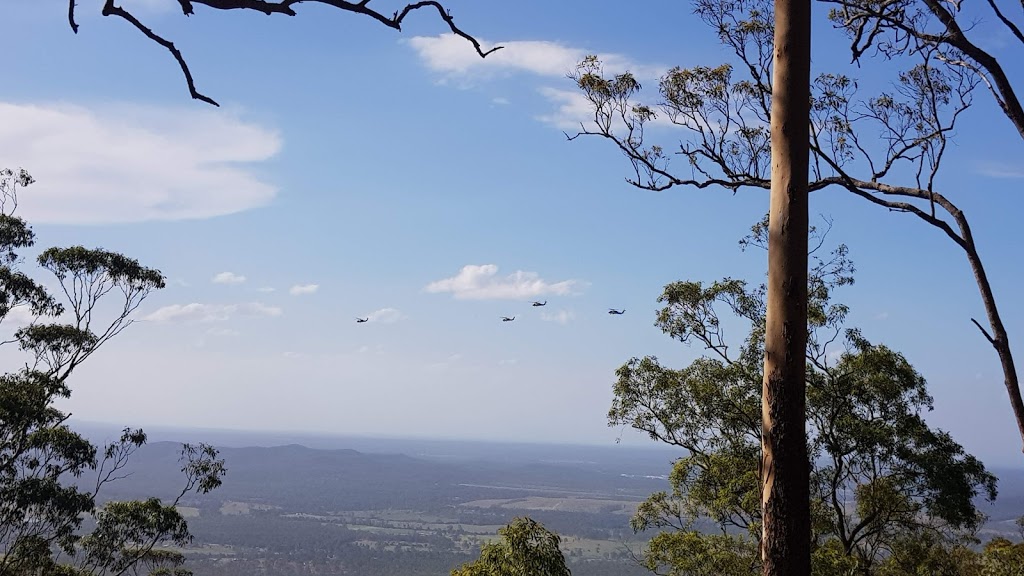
355, 171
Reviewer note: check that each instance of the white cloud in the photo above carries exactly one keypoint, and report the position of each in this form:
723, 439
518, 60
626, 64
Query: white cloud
300, 289
18, 316
999, 170
265, 289
448, 362
128, 163
385, 315
454, 57
499, 100
562, 316
196, 312
480, 282
571, 109
377, 350
228, 278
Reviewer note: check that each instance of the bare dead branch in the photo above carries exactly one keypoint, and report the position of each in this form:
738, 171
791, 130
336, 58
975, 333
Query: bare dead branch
71, 16
282, 7
445, 15
109, 9
267, 8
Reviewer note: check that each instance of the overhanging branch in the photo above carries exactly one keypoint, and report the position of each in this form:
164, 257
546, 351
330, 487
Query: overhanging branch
109, 9
283, 7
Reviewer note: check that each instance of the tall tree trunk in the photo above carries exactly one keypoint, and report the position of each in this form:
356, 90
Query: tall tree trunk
785, 470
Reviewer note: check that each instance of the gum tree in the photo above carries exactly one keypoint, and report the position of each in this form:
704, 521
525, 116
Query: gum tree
882, 480
885, 147
51, 477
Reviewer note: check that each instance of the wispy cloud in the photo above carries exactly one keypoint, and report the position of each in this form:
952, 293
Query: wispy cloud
265, 289
448, 362
481, 282
1000, 170
201, 313
300, 289
216, 332
128, 163
228, 278
455, 58
17, 317
561, 317
385, 315
572, 109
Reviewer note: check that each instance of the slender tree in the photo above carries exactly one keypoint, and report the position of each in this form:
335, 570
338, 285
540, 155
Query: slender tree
887, 489
785, 476
947, 32
886, 148
45, 494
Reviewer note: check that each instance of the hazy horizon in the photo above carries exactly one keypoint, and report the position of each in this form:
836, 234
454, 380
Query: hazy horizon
434, 192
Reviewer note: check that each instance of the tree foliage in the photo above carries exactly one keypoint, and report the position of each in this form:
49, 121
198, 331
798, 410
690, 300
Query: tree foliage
885, 146
524, 548
45, 496
880, 475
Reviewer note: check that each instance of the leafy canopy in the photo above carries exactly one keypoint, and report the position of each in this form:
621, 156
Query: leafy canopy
880, 474
45, 496
524, 547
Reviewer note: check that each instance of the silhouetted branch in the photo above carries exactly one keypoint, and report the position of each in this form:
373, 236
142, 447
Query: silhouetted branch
110, 10
71, 16
984, 332
282, 7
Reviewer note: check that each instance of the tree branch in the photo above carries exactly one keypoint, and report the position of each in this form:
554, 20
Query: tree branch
1009, 24
71, 16
109, 9
282, 7
984, 332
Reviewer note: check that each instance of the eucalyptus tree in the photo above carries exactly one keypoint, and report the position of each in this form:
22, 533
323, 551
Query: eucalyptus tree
46, 492
524, 547
881, 477
886, 147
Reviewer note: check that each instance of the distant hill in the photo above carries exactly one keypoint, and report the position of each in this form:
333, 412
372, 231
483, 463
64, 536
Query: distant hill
415, 507
298, 478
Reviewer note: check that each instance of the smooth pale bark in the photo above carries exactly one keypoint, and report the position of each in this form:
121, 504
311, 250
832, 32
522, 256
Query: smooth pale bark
785, 470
